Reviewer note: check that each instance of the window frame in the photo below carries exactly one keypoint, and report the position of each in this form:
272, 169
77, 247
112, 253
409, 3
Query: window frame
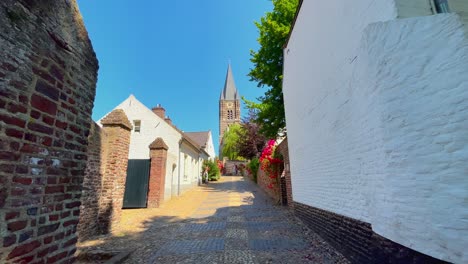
137, 127
441, 6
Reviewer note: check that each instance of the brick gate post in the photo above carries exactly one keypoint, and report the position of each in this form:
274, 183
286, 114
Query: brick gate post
117, 128
158, 154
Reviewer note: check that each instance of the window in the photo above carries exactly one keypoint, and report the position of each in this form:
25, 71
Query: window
441, 6
229, 114
137, 125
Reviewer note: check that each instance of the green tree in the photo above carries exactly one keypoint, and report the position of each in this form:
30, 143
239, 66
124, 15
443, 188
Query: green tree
213, 170
231, 141
274, 29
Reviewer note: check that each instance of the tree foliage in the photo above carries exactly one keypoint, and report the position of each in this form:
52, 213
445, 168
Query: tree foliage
250, 142
274, 29
213, 170
230, 142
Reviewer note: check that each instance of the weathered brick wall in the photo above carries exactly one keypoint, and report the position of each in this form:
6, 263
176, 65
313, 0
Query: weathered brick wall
105, 175
92, 184
356, 240
158, 154
263, 181
48, 73
230, 166
287, 191
117, 128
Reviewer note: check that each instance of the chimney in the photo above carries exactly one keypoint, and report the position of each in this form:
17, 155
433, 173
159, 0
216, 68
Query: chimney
160, 111
168, 120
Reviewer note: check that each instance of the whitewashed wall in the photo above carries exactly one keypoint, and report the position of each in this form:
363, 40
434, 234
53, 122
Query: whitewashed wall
319, 63
377, 119
415, 8
189, 168
152, 126
210, 147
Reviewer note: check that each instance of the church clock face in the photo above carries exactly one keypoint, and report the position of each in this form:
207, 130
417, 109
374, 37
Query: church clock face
229, 104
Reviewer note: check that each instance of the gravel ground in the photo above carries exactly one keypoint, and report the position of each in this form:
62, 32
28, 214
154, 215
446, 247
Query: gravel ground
231, 221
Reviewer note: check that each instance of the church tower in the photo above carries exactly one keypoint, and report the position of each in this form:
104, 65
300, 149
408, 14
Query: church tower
229, 105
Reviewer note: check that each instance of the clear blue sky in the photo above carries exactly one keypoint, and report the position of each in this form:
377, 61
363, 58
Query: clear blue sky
173, 53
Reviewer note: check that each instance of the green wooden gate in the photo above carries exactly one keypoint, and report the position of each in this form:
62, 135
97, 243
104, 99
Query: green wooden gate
136, 186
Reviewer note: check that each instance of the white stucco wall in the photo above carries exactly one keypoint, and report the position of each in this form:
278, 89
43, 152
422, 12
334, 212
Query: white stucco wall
210, 147
423, 107
461, 8
319, 62
189, 167
377, 119
415, 8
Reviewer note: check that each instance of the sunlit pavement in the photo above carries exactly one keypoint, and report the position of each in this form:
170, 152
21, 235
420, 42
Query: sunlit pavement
230, 221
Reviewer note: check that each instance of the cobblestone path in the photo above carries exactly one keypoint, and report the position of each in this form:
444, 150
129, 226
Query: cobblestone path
231, 221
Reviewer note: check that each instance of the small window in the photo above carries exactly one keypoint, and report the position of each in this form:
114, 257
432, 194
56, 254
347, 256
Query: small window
229, 113
442, 6
137, 125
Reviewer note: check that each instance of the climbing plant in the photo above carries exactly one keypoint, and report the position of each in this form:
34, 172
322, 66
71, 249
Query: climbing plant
270, 162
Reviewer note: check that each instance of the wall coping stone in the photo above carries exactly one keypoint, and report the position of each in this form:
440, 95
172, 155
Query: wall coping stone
158, 143
117, 118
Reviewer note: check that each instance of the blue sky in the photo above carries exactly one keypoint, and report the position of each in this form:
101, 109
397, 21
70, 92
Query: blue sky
173, 53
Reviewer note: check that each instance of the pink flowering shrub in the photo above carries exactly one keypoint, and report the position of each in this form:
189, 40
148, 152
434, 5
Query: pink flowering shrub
269, 163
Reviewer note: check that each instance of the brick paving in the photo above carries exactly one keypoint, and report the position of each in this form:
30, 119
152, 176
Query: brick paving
230, 221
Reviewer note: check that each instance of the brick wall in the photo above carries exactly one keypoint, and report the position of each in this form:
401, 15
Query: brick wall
282, 190
117, 128
230, 166
356, 240
224, 122
158, 154
263, 182
105, 175
92, 184
48, 73
286, 190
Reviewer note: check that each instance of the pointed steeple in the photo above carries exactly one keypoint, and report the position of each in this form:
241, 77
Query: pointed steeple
229, 92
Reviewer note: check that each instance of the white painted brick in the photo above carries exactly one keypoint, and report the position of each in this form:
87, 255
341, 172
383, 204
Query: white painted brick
377, 118
152, 126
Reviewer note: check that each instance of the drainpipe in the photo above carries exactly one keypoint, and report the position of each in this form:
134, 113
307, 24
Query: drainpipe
178, 177
199, 171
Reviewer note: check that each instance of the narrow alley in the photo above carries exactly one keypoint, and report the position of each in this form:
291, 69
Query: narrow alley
229, 221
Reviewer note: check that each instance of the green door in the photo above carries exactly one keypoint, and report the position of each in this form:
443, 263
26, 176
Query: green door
136, 186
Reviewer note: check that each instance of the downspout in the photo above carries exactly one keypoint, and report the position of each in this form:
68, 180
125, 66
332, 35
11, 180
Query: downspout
178, 177
199, 171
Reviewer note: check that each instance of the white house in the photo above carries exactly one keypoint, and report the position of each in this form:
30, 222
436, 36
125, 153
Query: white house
184, 155
205, 140
376, 104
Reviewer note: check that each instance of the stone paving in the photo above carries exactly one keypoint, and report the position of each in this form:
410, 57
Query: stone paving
230, 221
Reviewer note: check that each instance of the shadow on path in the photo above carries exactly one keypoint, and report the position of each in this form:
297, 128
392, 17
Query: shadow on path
235, 222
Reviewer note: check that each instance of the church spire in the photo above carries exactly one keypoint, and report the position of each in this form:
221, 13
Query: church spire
229, 92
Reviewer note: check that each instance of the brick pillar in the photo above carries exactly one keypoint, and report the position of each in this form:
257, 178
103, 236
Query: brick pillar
92, 184
115, 160
158, 154
48, 73
284, 150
